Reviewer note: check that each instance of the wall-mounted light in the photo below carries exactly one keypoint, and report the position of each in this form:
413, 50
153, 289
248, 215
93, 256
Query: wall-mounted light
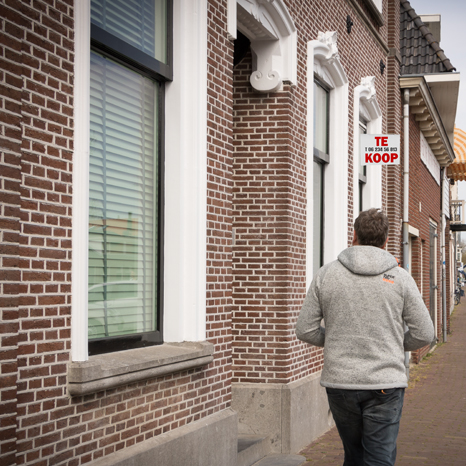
349, 24
382, 66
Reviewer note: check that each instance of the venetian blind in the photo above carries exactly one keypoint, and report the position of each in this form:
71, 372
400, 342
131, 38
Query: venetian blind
122, 200
140, 23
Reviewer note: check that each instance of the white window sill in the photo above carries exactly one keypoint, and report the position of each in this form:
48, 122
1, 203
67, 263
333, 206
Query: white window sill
106, 371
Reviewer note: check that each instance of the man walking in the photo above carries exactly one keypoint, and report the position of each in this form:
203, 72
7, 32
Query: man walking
363, 299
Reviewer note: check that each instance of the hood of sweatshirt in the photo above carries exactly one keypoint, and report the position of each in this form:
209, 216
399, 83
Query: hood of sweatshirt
367, 260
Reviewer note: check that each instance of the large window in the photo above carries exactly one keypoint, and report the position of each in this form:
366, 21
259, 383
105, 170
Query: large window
321, 158
327, 154
130, 60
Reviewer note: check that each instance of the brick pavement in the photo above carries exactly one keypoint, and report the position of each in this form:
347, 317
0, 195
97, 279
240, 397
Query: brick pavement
433, 425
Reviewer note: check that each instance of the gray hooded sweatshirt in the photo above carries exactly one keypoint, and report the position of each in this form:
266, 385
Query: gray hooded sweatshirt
363, 298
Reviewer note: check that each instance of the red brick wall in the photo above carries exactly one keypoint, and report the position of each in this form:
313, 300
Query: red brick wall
10, 169
270, 197
269, 229
394, 173
39, 423
424, 205
219, 205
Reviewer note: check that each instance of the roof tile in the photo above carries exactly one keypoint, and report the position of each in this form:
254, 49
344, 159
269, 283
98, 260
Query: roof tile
420, 52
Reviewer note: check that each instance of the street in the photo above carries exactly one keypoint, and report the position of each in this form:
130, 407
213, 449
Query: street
433, 425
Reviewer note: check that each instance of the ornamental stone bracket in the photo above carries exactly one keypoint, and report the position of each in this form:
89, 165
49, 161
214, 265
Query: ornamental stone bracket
269, 27
367, 95
327, 64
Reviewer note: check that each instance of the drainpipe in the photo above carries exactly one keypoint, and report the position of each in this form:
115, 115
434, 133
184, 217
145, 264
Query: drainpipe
406, 196
442, 246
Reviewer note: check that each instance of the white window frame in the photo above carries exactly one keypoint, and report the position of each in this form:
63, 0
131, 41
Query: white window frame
184, 310
324, 62
365, 106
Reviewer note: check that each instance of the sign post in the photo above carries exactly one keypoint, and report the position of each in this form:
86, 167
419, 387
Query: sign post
380, 149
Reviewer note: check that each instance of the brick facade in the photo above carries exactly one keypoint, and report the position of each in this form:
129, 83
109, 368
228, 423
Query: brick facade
255, 232
269, 200
425, 208
40, 423
37, 102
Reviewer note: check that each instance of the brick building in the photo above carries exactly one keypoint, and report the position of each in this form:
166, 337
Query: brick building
172, 174
429, 86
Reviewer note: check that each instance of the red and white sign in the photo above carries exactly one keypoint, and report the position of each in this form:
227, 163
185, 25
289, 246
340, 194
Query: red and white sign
380, 149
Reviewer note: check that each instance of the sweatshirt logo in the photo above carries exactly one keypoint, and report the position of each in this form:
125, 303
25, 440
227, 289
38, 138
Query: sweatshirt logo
388, 278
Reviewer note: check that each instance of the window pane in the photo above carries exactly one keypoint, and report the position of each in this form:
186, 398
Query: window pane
321, 119
362, 168
317, 220
122, 201
361, 190
140, 23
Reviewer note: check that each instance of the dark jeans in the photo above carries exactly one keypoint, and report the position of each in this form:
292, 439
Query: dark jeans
368, 422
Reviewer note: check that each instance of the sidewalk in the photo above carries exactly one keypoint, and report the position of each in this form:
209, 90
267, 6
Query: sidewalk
433, 425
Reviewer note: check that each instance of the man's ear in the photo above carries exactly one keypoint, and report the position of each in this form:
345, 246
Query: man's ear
355, 238
385, 244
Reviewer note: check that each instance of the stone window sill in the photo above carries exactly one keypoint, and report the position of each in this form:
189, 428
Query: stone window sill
106, 371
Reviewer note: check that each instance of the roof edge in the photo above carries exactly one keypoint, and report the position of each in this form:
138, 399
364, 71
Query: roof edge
419, 83
427, 35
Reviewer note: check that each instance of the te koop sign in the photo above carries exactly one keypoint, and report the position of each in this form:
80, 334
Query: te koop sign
380, 149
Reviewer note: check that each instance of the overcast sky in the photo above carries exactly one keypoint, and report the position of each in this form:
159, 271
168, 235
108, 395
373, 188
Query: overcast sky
453, 15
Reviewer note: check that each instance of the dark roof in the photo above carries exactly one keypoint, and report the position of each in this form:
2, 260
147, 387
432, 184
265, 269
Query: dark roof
420, 51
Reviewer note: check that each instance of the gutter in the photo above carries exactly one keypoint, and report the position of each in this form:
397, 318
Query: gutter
406, 197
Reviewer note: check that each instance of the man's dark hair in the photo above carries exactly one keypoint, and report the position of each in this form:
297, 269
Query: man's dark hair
372, 228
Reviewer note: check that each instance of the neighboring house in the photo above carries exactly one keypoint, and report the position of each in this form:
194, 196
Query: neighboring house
173, 173
428, 100
457, 173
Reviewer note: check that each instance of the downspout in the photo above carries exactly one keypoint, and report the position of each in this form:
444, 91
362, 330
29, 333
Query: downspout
442, 246
406, 197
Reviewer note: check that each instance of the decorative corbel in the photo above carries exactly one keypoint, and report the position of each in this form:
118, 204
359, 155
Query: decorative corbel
329, 39
369, 82
264, 78
270, 28
326, 54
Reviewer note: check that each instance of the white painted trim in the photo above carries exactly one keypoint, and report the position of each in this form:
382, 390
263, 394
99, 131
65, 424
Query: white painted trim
186, 176
327, 60
336, 206
309, 163
378, 4
273, 35
231, 19
323, 61
80, 220
365, 103
429, 160
413, 231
